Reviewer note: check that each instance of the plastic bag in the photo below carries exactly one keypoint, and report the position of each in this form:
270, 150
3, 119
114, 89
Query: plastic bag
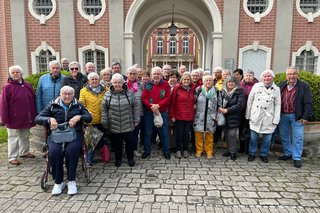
157, 120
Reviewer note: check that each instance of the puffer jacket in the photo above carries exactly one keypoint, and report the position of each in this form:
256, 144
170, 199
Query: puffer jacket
92, 102
263, 108
205, 119
235, 105
138, 95
47, 90
55, 110
119, 111
76, 84
181, 103
18, 105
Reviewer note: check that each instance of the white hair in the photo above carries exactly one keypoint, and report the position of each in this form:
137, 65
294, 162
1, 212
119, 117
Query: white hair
93, 75
54, 62
133, 68
266, 72
66, 89
117, 77
15, 68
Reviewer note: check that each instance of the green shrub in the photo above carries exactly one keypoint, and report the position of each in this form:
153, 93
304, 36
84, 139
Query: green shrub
314, 83
3, 135
34, 78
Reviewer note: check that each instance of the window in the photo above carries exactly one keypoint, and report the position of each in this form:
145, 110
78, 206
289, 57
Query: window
160, 33
94, 53
42, 9
173, 46
185, 46
308, 9
307, 61
42, 56
257, 8
93, 7
159, 46
185, 32
91, 10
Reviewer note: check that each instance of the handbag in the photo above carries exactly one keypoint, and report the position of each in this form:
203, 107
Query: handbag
63, 133
221, 120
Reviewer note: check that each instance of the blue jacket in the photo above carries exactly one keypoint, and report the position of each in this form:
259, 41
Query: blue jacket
48, 89
303, 102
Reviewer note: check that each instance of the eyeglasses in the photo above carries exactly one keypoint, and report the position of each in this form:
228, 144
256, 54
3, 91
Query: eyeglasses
74, 68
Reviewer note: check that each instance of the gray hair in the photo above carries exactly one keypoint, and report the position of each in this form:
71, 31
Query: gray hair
54, 62
204, 77
117, 77
218, 69
195, 71
292, 68
132, 68
156, 68
75, 63
93, 75
250, 72
266, 72
230, 79
15, 68
66, 89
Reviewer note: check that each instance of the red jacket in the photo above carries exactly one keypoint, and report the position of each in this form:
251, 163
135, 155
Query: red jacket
156, 94
182, 102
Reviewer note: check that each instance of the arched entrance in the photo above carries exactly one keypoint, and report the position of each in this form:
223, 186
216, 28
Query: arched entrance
145, 15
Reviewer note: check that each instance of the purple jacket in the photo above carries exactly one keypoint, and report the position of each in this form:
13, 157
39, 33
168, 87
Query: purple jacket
18, 108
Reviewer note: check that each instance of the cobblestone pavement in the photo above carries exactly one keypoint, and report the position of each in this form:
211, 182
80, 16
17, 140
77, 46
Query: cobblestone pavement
159, 185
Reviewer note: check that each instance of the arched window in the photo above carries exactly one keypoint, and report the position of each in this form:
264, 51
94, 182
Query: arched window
43, 60
307, 61
91, 10
257, 8
159, 46
185, 46
309, 9
173, 46
42, 9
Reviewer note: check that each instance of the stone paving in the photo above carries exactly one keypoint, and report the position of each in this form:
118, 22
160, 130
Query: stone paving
159, 185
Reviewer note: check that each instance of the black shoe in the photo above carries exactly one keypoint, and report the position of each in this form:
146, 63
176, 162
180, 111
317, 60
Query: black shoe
264, 159
251, 158
118, 163
284, 157
131, 163
233, 156
167, 156
226, 154
297, 163
145, 156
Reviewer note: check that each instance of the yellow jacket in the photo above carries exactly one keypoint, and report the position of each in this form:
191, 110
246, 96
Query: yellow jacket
219, 84
92, 102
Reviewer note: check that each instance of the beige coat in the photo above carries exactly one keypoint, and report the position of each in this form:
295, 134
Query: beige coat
263, 108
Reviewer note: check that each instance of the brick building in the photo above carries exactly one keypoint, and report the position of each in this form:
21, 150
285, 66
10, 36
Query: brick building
251, 34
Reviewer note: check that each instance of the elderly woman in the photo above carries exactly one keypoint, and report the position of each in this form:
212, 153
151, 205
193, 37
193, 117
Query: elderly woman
18, 111
65, 108
207, 101
232, 104
120, 115
136, 88
182, 113
105, 78
91, 97
76, 79
263, 113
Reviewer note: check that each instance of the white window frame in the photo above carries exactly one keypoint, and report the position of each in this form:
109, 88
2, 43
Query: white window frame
42, 18
310, 16
308, 47
257, 16
91, 18
173, 48
255, 46
185, 47
160, 47
92, 46
44, 46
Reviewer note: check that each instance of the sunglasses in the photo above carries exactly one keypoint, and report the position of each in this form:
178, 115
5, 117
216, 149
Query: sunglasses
74, 68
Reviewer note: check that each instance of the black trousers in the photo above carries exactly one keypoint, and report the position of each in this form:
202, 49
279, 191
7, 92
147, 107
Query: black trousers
118, 139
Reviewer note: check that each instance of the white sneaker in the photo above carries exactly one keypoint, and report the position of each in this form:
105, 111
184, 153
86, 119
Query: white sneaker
136, 154
58, 188
72, 188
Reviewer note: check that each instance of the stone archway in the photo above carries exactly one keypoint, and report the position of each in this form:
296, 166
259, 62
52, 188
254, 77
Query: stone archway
204, 19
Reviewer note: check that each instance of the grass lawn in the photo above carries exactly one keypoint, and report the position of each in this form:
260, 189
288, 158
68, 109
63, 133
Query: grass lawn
3, 135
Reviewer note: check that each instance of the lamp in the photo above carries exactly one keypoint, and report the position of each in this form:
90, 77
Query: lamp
172, 28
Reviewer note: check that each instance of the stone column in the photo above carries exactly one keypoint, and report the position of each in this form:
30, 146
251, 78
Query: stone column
217, 49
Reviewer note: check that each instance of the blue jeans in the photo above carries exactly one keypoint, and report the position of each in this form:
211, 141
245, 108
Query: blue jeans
265, 147
288, 125
163, 132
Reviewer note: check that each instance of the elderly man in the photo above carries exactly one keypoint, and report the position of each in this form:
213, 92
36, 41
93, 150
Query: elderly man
156, 97
182, 69
296, 111
64, 64
217, 74
166, 72
49, 85
116, 68
90, 67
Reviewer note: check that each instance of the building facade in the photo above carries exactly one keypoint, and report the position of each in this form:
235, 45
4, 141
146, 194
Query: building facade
249, 34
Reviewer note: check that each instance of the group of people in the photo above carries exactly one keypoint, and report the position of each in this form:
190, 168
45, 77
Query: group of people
194, 106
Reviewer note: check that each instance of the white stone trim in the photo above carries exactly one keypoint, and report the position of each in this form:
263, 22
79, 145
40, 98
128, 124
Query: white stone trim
44, 46
257, 16
255, 46
42, 18
310, 16
308, 47
91, 18
92, 46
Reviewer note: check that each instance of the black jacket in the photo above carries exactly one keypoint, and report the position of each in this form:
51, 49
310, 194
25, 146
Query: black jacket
235, 107
76, 84
303, 102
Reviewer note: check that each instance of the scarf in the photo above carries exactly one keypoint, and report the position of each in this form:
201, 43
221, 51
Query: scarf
96, 90
207, 92
228, 95
133, 87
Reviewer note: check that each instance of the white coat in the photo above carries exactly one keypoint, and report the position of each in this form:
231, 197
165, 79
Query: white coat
263, 108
